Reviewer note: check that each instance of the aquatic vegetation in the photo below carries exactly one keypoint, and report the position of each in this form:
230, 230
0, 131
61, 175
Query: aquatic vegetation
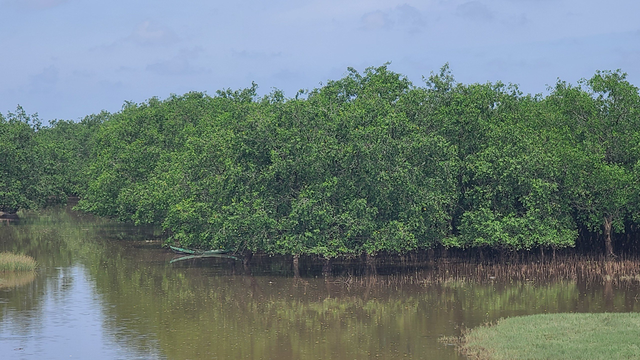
16, 262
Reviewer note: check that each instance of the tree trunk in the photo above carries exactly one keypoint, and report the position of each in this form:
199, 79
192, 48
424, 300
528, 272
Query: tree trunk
370, 265
296, 267
326, 267
444, 253
246, 260
607, 236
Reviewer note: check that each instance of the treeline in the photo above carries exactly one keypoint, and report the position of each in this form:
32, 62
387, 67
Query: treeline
366, 164
43, 165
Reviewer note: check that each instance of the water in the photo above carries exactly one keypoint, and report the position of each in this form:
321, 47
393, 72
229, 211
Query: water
107, 291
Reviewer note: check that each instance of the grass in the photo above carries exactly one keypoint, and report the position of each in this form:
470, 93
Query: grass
556, 336
16, 262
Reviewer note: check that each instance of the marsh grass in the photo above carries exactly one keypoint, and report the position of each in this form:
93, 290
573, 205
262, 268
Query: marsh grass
555, 336
16, 262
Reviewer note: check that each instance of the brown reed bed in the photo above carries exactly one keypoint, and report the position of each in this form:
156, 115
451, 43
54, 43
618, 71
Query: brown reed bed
576, 268
583, 269
16, 262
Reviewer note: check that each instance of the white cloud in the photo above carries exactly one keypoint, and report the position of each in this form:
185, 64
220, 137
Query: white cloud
403, 17
410, 15
149, 33
179, 65
376, 20
474, 10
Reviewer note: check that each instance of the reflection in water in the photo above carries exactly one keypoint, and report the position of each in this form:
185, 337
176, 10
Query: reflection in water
67, 323
15, 279
105, 291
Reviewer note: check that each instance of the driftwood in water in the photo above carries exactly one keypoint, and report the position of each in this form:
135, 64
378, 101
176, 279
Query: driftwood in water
187, 257
198, 254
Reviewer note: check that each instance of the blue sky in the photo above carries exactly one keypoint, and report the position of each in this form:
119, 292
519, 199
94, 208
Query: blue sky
65, 59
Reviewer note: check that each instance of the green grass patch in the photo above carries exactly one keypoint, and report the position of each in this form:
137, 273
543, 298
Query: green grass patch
16, 262
556, 336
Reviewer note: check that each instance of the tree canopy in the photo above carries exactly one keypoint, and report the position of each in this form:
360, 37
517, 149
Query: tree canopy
365, 164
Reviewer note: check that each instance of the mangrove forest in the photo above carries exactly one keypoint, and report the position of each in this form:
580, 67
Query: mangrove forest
368, 164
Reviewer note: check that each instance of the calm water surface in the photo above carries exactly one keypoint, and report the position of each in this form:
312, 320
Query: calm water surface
107, 291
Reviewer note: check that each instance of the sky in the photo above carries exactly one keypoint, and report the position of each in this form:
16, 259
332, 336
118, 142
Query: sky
65, 59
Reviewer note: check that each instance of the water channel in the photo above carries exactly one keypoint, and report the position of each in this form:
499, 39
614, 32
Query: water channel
105, 290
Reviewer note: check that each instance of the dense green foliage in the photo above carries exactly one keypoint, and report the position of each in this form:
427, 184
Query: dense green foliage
26, 176
40, 165
366, 164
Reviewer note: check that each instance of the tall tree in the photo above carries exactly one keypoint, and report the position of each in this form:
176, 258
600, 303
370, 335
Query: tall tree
603, 115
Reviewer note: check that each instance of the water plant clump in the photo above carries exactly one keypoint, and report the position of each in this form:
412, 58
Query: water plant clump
16, 262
